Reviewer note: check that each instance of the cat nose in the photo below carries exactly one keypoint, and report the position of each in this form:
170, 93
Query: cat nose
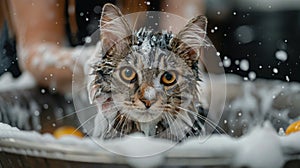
147, 103
148, 96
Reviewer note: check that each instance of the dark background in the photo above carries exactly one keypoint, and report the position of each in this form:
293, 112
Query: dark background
268, 29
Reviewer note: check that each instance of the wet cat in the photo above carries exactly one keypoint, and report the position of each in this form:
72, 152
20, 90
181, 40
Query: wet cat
146, 81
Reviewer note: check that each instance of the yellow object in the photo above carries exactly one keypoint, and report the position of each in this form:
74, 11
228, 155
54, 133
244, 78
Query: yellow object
67, 130
294, 127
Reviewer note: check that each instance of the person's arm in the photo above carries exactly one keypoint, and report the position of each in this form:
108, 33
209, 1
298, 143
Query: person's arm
1, 17
40, 35
184, 8
187, 9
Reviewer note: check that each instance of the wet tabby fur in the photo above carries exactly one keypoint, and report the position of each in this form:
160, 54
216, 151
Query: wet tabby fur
162, 96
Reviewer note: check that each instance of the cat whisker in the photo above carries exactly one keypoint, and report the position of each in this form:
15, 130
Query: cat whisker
118, 125
115, 32
110, 127
174, 121
179, 134
183, 119
169, 120
108, 116
122, 120
210, 122
165, 107
120, 117
77, 111
82, 124
81, 110
116, 117
191, 126
135, 22
93, 116
126, 120
178, 128
168, 109
189, 131
89, 133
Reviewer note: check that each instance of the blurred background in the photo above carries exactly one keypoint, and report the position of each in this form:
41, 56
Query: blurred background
255, 39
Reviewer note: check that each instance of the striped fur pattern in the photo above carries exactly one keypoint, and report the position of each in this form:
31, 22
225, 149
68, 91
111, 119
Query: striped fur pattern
146, 103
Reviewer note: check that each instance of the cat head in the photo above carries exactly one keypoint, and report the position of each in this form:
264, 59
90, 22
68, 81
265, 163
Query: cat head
144, 78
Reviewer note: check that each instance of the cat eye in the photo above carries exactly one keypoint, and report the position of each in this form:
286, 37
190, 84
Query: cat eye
128, 74
169, 78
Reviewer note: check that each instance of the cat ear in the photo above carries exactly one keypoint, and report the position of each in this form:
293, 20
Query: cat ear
114, 29
189, 41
